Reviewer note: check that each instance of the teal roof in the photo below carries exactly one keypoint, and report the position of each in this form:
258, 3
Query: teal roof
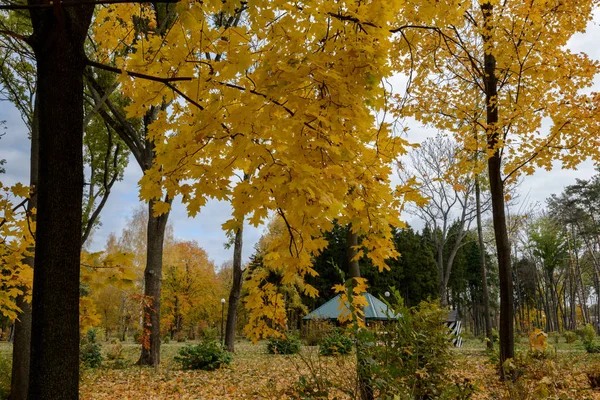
375, 310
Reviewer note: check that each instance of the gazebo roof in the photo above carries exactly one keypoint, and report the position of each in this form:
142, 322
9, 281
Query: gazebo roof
374, 310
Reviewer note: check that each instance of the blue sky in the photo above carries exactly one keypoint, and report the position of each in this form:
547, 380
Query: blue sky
206, 227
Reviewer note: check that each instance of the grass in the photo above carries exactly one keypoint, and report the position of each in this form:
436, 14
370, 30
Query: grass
254, 374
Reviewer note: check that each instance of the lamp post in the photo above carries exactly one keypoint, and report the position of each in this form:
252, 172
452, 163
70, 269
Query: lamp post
222, 322
387, 307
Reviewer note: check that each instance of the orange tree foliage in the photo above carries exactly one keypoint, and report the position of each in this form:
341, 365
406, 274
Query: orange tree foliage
289, 90
16, 243
191, 291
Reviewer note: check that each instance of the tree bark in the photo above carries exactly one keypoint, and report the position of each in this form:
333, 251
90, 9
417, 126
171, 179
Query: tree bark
362, 365
353, 265
58, 38
152, 284
486, 297
236, 290
507, 340
22, 329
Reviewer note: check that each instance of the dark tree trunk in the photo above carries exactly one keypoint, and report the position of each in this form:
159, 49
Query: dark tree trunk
236, 291
507, 339
152, 284
353, 265
486, 297
20, 357
22, 329
59, 35
362, 365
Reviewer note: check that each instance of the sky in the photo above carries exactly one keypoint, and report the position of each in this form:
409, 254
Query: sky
205, 228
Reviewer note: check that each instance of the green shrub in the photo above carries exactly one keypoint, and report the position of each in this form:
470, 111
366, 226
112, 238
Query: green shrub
90, 355
314, 331
209, 333
411, 357
591, 347
570, 336
119, 364
495, 335
336, 343
554, 337
91, 335
166, 338
588, 334
288, 345
206, 355
5, 373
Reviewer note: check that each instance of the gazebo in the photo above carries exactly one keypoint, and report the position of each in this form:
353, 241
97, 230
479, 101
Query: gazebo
375, 310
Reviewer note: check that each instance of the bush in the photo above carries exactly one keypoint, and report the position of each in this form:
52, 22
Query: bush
90, 355
209, 333
588, 334
411, 357
115, 352
288, 345
495, 335
336, 343
5, 373
137, 335
91, 335
180, 336
206, 355
554, 337
166, 338
570, 336
538, 345
314, 331
591, 347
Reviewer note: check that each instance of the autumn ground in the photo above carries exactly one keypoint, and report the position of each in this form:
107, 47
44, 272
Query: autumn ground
254, 374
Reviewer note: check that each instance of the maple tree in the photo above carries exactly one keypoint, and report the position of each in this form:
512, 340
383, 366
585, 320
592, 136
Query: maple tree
500, 71
311, 138
17, 229
191, 292
235, 292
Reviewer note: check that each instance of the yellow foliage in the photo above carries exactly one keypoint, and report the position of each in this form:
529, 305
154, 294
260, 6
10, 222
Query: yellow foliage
191, 291
352, 308
16, 244
540, 81
538, 340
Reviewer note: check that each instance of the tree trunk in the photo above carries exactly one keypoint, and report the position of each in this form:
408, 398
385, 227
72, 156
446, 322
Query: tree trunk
22, 329
507, 339
152, 284
486, 297
236, 290
58, 39
353, 265
441, 280
362, 366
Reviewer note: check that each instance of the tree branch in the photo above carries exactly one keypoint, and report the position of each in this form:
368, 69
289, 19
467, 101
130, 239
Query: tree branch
75, 4
26, 39
137, 74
